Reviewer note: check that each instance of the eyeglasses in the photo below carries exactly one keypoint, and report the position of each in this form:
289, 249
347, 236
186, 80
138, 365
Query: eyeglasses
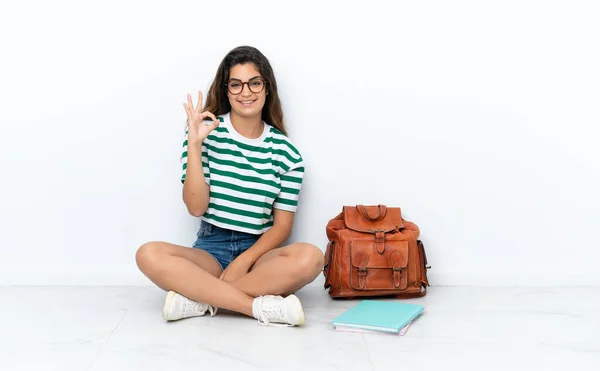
255, 85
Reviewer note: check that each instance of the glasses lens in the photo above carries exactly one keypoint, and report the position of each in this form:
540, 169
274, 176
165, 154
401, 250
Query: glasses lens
235, 87
256, 85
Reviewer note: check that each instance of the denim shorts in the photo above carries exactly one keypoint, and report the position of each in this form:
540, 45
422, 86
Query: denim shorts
223, 244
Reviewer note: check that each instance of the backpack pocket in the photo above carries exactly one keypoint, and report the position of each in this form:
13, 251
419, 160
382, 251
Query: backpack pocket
373, 268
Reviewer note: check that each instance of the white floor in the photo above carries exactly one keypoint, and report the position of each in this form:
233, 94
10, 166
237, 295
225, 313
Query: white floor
120, 328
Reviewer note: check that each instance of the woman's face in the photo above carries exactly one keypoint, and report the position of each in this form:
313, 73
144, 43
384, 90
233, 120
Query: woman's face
246, 90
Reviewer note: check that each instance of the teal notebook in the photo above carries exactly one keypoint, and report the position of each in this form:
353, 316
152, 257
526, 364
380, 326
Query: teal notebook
386, 316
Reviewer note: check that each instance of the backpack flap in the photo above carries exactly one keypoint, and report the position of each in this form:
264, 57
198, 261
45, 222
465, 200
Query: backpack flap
371, 219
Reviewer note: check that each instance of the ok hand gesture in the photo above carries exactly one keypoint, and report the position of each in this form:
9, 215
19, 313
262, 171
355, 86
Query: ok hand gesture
197, 130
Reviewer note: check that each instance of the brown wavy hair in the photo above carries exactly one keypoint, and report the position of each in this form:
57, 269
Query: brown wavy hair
217, 101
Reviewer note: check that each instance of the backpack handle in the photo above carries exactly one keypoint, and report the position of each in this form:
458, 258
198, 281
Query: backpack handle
362, 210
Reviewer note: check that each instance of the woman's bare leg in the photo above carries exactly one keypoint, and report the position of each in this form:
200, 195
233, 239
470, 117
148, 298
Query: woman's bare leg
282, 271
192, 273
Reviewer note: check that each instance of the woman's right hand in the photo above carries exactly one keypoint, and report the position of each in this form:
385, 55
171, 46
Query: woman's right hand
197, 130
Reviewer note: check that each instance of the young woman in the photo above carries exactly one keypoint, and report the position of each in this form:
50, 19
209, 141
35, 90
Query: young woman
242, 177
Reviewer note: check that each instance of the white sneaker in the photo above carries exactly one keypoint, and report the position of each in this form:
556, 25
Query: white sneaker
276, 309
177, 307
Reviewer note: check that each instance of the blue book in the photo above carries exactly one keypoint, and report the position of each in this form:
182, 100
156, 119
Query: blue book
373, 315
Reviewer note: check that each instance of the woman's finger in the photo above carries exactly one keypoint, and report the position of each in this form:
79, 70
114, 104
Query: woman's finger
209, 114
199, 106
189, 99
187, 110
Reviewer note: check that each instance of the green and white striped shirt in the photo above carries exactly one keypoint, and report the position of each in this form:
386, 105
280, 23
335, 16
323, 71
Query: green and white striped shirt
248, 177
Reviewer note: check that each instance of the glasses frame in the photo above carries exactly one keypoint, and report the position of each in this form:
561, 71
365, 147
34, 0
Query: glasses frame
247, 83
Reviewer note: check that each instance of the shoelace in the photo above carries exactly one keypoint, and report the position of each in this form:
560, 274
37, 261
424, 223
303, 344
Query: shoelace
193, 307
270, 310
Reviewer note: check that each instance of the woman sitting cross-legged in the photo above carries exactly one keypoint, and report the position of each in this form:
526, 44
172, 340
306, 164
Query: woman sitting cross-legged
242, 175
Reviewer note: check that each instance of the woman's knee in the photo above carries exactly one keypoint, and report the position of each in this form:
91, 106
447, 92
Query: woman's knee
149, 255
309, 259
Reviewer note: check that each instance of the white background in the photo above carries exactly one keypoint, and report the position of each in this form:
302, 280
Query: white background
479, 119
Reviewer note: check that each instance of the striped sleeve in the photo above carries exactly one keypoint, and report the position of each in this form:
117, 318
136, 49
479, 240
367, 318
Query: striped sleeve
291, 182
184, 157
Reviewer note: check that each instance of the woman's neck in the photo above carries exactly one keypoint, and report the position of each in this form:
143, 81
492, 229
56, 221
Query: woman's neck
249, 127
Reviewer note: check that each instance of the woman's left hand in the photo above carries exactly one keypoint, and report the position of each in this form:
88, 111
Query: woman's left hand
237, 269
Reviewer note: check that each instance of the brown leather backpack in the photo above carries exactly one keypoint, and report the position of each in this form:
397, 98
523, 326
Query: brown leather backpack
372, 251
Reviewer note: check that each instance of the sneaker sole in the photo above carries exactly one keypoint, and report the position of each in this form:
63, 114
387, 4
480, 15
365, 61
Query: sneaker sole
298, 305
167, 305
